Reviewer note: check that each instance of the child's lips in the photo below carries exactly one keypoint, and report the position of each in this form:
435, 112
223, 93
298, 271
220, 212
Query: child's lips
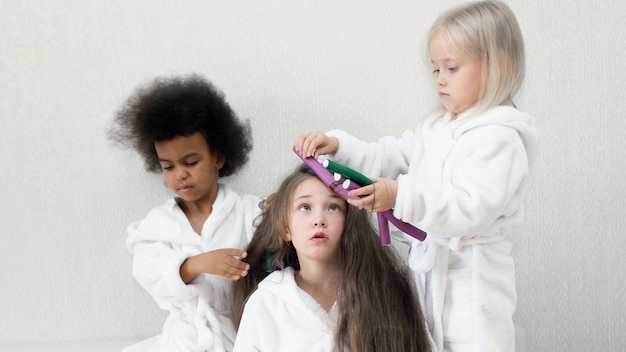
184, 188
319, 236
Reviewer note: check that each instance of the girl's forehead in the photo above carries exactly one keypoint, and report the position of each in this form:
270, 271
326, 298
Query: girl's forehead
443, 42
314, 188
311, 185
195, 142
443, 48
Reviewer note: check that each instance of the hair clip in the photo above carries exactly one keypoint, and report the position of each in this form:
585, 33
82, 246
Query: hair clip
268, 255
348, 182
346, 172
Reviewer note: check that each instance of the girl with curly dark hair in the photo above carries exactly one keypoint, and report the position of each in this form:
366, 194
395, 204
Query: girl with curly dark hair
186, 251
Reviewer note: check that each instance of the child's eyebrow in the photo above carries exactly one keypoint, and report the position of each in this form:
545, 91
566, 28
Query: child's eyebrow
306, 196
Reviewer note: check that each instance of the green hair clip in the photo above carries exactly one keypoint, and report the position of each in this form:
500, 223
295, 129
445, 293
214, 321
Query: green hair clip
268, 255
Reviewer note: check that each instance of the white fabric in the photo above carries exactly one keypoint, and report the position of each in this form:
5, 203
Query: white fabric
199, 311
279, 316
462, 181
69, 346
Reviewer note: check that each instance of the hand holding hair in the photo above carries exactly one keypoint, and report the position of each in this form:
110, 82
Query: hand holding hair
224, 262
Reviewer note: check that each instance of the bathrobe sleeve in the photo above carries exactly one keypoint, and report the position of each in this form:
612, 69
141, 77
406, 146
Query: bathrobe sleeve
456, 180
388, 158
479, 185
156, 264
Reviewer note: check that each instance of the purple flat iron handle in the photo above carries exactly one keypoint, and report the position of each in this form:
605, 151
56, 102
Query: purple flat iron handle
404, 226
383, 229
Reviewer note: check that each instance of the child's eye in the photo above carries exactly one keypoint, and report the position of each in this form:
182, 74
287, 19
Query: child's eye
304, 207
167, 168
453, 69
436, 71
191, 163
334, 208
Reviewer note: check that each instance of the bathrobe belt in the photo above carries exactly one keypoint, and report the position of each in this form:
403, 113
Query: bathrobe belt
432, 256
213, 331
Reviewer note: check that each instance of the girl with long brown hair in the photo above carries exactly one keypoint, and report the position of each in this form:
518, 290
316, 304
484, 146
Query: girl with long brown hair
319, 279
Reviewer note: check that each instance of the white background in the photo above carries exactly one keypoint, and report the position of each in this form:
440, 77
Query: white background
289, 67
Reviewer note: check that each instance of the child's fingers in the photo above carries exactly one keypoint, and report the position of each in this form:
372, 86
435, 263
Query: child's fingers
377, 197
235, 252
361, 191
361, 202
236, 270
232, 267
302, 143
307, 144
236, 263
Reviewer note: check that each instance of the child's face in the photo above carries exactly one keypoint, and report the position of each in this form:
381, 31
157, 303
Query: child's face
457, 77
190, 169
316, 221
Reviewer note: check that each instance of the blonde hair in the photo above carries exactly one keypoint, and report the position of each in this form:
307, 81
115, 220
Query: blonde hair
487, 30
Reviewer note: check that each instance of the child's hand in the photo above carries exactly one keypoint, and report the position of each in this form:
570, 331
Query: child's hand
224, 262
379, 196
315, 144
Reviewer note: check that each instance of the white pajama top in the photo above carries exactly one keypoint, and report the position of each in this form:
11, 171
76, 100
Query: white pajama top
199, 312
462, 181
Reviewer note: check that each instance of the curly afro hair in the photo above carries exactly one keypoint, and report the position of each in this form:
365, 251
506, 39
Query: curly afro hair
181, 106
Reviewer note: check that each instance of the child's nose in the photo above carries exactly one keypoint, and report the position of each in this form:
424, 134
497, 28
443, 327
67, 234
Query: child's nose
319, 222
440, 81
181, 175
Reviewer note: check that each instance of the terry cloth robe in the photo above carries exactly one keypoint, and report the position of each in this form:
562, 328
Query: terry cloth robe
279, 316
462, 181
199, 317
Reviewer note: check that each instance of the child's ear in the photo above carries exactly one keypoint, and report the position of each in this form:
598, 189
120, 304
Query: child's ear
287, 236
220, 161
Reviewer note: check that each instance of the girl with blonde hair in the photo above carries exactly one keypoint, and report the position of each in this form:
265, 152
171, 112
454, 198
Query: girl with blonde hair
460, 176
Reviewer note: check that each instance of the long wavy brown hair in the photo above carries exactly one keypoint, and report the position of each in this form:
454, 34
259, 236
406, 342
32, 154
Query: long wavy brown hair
379, 310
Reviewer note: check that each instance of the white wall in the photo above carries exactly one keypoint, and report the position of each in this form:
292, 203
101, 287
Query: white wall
289, 67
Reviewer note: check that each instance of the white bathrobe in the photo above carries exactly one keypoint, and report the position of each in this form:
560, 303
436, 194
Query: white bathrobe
199, 311
462, 181
279, 316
